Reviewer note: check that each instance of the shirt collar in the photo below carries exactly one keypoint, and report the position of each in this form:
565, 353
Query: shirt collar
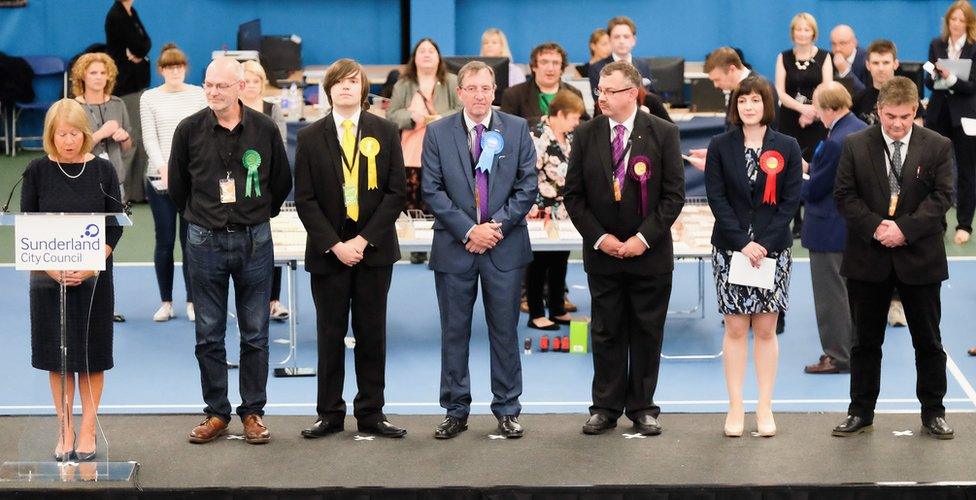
629, 58
214, 123
469, 123
744, 74
628, 123
339, 118
904, 140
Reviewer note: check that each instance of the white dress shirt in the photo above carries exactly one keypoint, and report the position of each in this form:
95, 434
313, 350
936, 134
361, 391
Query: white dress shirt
904, 150
338, 123
850, 64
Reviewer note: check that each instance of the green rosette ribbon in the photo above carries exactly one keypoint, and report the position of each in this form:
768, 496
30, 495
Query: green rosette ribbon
251, 161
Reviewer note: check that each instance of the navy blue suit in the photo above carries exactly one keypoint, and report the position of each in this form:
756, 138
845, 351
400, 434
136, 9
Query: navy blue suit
448, 187
858, 75
642, 65
736, 205
824, 229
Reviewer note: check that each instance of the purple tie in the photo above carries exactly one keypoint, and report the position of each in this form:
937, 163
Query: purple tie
618, 154
480, 177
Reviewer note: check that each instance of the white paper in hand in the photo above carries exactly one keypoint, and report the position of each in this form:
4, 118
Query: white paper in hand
742, 273
968, 126
929, 68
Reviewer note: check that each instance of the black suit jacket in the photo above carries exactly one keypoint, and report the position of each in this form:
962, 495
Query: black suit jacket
319, 198
863, 196
961, 98
589, 194
736, 205
523, 99
642, 65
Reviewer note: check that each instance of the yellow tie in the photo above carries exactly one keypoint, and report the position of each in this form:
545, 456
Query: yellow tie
350, 178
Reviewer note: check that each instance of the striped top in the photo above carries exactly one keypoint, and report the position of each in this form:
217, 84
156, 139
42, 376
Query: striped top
161, 112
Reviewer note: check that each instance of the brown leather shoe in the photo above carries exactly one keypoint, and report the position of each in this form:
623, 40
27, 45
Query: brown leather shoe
255, 432
208, 430
825, 365
569, 306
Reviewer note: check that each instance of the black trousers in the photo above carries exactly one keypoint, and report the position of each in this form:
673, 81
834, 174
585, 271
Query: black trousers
546, 271
627, 331
869, 309
363, 291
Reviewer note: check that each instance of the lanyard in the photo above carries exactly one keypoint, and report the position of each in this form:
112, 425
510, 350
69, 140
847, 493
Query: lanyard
623, 156
355, 152
891, 165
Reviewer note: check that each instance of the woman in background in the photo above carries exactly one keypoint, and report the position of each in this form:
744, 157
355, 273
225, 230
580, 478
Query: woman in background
161, 110
495, 44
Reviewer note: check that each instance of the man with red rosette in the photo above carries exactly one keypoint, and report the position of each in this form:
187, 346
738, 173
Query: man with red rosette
624, 190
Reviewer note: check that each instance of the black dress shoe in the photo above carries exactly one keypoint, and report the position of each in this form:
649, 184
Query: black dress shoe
938, 428
450, 427
598, 423
509, 427
647, 425
383, 428
323, 427
548, 328
853, 425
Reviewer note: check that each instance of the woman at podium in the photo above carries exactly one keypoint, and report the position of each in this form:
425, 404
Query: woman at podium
71, 179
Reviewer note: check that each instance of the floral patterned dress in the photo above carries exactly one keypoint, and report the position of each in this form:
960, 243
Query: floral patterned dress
552, 162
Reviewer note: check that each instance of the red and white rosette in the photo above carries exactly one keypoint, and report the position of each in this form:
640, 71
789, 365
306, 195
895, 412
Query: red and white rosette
772, 163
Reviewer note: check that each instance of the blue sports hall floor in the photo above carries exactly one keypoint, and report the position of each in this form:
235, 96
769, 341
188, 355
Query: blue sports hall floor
156, 372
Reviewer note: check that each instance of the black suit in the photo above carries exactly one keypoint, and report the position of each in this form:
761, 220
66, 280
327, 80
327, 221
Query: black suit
523, 99
945, 110
630, 296
915, 269
337, 288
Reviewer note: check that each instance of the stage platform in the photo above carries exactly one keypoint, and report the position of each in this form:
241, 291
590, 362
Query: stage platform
691, 459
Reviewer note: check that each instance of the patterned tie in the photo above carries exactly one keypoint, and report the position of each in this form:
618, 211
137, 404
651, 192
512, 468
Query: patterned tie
618, 155
896, 166
350, 178
480, 177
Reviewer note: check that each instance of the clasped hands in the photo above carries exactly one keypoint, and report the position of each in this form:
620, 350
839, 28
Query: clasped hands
71, 278
889, 234
484, 237
350, 252
755, 253
613, 247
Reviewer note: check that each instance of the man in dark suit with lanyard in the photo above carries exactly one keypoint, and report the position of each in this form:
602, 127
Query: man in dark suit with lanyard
624, 190
893, 187
349, 190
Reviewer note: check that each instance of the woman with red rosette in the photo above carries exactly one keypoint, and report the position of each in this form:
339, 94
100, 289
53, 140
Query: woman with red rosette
753, 178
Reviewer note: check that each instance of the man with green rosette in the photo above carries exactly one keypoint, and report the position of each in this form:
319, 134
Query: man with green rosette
624, 190
350, 187
228, 175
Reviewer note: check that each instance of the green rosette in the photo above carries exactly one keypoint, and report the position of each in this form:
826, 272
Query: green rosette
251, 161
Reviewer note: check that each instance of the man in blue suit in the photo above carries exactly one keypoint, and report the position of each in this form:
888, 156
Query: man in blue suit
824, 231
850, 60
479, 180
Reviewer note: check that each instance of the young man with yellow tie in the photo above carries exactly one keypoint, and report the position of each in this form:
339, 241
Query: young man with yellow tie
349, 190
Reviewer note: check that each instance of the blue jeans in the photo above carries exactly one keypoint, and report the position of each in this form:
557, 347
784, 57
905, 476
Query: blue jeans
214, 258
165, 218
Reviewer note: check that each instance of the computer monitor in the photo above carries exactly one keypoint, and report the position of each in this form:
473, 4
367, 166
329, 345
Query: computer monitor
668, 75
249, 35
498, 64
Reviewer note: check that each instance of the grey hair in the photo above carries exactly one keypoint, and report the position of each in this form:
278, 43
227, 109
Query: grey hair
227, 63
473, 67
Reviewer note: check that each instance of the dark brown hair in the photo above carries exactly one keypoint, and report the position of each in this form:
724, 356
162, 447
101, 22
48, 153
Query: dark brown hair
616, 21
595, 37
568, 102
627, 69
882, 46
411, 72
345, 68
722, 57
753, 85
548, 47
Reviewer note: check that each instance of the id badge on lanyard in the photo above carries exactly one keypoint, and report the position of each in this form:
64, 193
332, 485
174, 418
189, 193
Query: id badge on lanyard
228, 191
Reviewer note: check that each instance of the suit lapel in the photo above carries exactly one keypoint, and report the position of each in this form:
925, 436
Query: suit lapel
497, 126
333, 150
878, 168
464, 154
603, 151
739, 159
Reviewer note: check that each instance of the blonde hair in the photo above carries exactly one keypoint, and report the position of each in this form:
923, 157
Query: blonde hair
81, 66
967, 13
804, 17
832, 95
69, 112
256, 68
506, 52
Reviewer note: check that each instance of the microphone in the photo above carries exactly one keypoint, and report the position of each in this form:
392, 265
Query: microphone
6, 205
126, 207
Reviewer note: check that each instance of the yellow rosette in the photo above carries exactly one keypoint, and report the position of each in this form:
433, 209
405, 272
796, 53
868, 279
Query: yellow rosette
370, 147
